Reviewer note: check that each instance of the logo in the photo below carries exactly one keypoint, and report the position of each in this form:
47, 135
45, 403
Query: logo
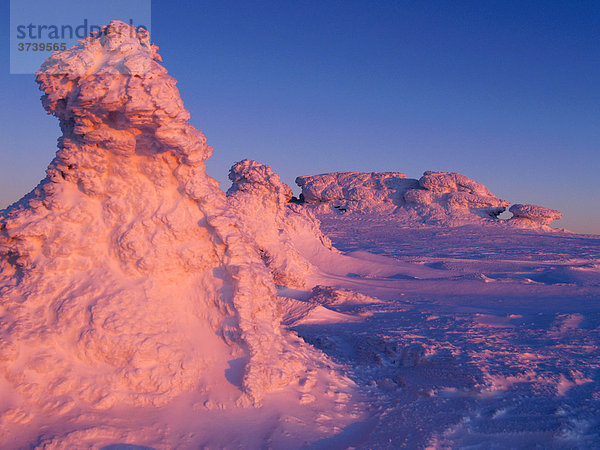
38, 28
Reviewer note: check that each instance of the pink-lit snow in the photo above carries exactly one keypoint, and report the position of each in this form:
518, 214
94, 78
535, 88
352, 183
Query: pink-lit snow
140, 305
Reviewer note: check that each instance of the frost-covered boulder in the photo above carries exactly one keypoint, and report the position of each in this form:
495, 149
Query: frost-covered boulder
533, 215
126, 277
279, 229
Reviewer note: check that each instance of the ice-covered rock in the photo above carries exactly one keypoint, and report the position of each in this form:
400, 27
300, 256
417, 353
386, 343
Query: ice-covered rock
444, 198
126, 277
525, 215
359, 188
259, 181
443, 182
451, 196
278, 228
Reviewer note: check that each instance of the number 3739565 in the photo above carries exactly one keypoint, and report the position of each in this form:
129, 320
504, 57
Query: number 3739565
41, 46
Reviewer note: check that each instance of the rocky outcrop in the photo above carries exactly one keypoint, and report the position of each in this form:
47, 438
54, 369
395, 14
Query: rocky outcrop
447, 182
362, 188
533, 215
277, 228
126, 277
453, 195
443, 198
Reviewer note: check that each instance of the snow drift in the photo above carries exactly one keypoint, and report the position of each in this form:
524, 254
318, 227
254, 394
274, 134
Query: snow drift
125, 276
437, 198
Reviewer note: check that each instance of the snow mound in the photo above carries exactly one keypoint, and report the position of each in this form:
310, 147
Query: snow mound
261, 199
126, 278
535, 215
326, 304
441, 198
298, 312
329, 295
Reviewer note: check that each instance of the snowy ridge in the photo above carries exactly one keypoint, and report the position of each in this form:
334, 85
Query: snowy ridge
437, 198
124, 277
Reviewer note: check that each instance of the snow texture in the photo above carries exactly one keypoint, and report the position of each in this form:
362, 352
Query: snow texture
527, 215
262, 201
140, 306
125, 278
437, 198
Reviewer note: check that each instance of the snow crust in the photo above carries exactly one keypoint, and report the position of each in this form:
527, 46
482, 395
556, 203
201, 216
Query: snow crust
127, 277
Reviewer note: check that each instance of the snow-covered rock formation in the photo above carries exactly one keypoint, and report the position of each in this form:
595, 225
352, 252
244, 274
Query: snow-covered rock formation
454, 195
361, 188
533, 215
279, 229
125, 278
444, 198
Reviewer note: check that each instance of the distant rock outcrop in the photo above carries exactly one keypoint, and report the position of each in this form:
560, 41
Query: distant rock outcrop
455, 195
444, 198
363, 188
533, 215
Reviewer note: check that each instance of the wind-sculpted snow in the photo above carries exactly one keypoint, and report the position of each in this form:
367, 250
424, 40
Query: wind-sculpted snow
437, 198
445, 182
443, 198
125, 278
275, 225
533, 215
359, 187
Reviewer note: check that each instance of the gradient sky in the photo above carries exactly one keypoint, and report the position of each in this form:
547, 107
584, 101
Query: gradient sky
505, 92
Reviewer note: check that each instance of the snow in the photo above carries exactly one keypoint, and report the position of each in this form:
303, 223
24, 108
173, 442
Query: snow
142, 306
508, 335
261, 199
533, 214
127, 279
437, 198
442, 198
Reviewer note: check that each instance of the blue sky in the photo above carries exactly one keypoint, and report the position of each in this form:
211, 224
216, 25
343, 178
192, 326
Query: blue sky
505, 92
